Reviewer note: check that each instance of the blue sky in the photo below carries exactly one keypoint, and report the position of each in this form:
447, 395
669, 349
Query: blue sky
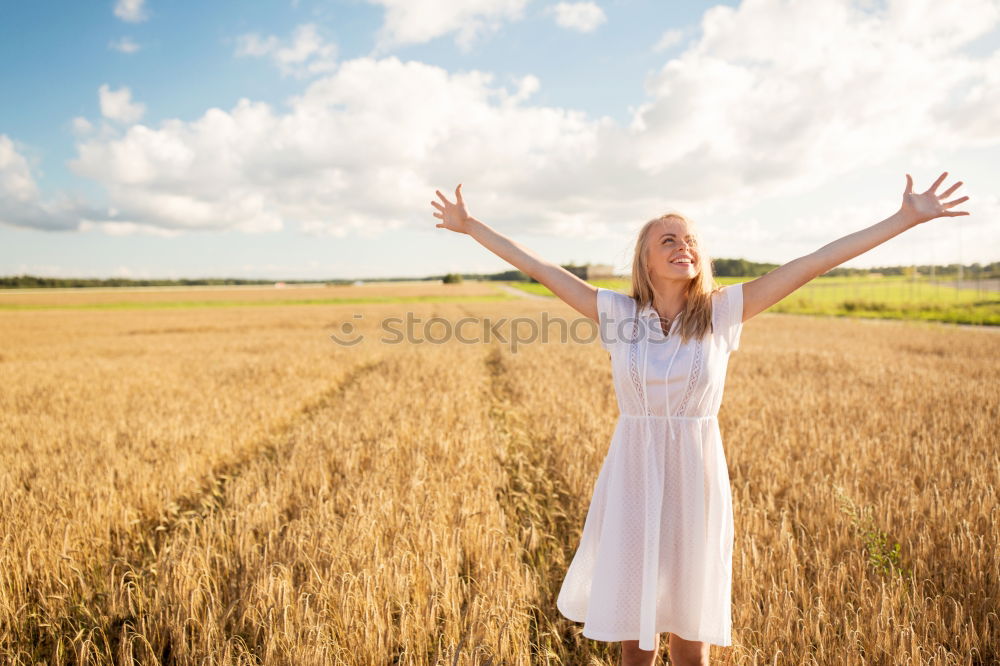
305, 139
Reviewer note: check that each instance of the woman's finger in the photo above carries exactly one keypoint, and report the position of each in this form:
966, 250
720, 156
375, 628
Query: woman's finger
437, 205
458, 194
950, 190
954, 203
443, 197
936, 183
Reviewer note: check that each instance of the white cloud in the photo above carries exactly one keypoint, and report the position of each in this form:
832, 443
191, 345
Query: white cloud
82, 126
778, 96
115, 228
671, 37
124, 45
21, 202
133, 11
772, 102
306, 53
252, 44
118, 105
580, 16
418, 21
345, 158
16, 182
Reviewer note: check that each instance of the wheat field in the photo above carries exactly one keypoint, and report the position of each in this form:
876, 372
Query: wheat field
226, 485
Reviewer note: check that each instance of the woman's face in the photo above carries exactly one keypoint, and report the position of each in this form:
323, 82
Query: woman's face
671, 250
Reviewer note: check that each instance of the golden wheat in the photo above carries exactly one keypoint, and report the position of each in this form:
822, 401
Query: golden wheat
228, 486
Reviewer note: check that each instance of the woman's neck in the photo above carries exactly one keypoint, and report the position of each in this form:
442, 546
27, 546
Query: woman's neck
669, 298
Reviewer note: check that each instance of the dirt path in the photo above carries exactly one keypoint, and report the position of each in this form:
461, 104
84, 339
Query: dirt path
520, 292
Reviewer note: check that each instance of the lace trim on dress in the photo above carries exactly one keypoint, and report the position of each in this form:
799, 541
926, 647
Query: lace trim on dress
693, 381
638, 383
633, 363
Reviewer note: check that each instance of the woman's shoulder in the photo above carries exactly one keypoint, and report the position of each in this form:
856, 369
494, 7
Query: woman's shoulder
613, 308
613, 301
727, 314
726, 292
615, 294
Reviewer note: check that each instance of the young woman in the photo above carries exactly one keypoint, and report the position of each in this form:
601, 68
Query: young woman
655, 554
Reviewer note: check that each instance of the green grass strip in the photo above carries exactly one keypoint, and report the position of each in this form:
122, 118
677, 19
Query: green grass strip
878, 298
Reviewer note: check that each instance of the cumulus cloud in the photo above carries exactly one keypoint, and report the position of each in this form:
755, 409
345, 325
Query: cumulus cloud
16, 182
778, 96
81, 126
112, 227
123, 45
118, 105
133, 11
21, 202
773, 99
669, 38
343, 159
306, 53
580, 16
417, 21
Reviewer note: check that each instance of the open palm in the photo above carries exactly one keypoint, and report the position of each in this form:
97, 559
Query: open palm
453, 216
927, 205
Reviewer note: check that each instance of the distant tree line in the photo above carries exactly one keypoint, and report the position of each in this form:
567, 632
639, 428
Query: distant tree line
721, 268
969, 271
740, 268
745, 268
34, 281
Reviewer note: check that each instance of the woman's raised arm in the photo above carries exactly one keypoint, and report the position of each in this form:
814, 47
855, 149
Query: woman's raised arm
763, 292
579, 295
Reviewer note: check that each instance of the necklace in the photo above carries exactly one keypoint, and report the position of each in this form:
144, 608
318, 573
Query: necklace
668, 321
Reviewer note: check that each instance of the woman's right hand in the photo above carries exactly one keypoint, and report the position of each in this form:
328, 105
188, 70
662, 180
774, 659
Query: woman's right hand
453, 216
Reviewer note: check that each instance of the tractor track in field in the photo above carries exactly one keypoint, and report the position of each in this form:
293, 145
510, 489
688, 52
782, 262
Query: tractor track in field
134, 551
209, 497
534, 499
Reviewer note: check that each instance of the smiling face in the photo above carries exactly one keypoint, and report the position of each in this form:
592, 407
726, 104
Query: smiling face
671, 250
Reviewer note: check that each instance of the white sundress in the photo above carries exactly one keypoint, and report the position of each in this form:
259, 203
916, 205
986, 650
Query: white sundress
655, 554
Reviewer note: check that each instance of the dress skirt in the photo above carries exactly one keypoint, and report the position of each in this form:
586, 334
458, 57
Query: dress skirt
655, 554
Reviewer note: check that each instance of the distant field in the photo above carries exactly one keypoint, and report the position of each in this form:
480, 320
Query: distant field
143, 298
881, 298
876, 298
228, 486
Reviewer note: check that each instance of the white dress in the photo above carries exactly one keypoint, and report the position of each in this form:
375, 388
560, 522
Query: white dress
656, 550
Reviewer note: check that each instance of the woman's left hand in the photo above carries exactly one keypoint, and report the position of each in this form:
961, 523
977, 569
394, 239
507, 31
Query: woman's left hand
926, 206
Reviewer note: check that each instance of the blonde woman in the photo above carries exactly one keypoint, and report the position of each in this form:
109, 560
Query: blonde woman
655, 554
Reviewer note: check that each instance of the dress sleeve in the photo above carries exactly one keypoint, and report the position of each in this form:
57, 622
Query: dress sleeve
728, 319
612, 308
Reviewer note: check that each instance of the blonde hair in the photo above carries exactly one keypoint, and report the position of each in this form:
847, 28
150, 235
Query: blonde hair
697, 319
